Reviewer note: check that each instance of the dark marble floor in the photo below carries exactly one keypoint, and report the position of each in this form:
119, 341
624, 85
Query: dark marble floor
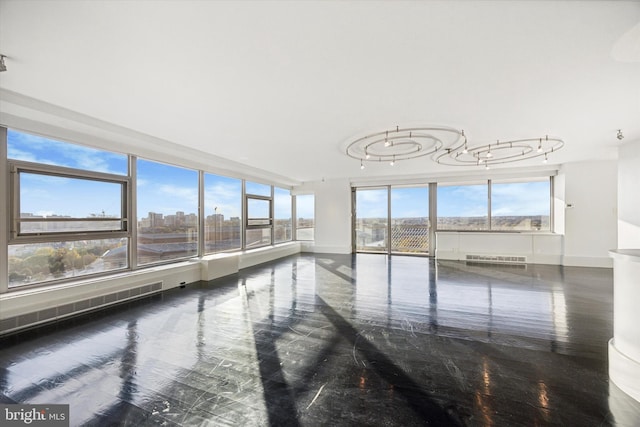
337, 340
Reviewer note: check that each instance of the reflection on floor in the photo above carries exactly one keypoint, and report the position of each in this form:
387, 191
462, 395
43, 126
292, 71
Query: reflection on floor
318, 340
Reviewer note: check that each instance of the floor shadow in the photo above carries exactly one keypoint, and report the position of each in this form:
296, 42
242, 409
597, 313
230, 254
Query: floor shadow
419, 401
278, 396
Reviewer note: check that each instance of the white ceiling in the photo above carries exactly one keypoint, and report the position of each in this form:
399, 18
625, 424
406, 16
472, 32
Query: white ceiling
283, 86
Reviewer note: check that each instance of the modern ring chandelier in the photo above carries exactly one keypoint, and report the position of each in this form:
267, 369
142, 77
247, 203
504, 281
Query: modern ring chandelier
404, 143
447, 146
500, 152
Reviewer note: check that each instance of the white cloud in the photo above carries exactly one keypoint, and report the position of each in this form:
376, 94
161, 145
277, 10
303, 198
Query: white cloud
37, 149
188, 194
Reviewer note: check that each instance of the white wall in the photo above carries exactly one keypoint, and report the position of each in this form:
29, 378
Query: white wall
333, 216
629, 196
591, 224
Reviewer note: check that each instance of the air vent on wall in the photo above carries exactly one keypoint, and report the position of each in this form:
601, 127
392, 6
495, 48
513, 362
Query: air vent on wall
498, 259
55, 313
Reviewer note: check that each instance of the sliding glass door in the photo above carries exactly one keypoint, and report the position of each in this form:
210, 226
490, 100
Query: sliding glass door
410, 220
371, 224
391, 219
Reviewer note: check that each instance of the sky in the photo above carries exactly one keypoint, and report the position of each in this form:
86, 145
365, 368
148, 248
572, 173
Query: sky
168, 189
523, 198
161, 188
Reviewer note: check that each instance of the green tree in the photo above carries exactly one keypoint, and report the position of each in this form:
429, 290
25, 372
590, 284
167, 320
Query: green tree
56, 262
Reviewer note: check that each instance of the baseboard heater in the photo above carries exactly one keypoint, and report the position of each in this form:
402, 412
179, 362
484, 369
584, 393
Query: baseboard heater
13, 324
497, 259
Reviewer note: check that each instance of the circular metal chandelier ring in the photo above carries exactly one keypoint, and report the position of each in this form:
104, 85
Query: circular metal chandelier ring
500, 152
404, 144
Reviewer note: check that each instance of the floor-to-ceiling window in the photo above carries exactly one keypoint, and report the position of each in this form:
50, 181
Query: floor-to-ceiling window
305, 216
398, 219
167, 212
392, 219
76, 211
223, 213
282, 220
259, 214
69, 209
410, 219
371, 225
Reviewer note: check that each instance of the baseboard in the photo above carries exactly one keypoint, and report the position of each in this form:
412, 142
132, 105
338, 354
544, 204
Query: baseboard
331, 249
449, 255
585, 261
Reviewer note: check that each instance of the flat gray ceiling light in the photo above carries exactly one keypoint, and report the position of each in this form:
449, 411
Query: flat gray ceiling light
404, 144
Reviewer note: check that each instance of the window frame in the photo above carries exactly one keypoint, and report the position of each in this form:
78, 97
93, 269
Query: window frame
16, 167
269, 222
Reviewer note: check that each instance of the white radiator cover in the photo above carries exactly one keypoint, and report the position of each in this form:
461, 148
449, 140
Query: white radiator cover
74, 308
499, 259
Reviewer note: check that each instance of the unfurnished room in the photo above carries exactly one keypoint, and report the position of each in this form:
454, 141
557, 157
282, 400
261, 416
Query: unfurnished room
319, 213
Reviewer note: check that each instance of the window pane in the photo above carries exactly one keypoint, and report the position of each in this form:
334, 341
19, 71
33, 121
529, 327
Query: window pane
37, 149
258, 209
167, 206
42, 262
49, 203
257, 189
282, 215
410, 219
371, 220
305, 211
223, 207
258, 237
521, 206
463, 207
